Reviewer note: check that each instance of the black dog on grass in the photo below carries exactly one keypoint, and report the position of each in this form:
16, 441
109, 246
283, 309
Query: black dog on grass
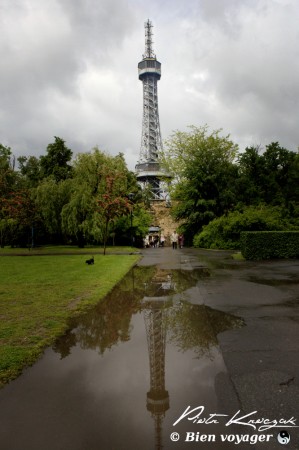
90, 261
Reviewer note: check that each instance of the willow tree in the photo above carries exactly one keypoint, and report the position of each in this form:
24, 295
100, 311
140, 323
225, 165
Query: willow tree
50, 197
99, 189
79, 215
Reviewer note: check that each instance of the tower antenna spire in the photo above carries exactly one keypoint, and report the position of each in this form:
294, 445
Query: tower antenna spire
149, 52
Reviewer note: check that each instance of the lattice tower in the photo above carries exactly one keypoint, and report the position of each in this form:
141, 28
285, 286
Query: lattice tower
148, 170
157, 397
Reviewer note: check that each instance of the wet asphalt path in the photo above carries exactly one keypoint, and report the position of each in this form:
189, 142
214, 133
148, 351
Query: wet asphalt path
92, 391
262, 358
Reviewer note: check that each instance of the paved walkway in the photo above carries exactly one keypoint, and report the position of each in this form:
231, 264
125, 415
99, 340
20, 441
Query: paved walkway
59, 402
262, 358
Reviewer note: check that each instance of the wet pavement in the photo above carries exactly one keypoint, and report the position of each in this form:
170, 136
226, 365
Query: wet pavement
184, 328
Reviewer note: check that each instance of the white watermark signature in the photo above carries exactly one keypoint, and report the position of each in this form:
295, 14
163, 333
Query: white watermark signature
196, 415
250, 420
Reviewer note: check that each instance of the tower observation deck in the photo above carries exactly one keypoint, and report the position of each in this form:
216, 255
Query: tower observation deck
148, 170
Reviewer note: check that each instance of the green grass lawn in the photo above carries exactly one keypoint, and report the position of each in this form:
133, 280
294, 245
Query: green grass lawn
38, 295
66, 249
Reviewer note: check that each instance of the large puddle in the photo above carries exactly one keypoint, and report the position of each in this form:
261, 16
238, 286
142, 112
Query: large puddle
125, 372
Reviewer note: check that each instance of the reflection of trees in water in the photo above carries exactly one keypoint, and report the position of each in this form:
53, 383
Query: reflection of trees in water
188, 326
109, 322
196, 327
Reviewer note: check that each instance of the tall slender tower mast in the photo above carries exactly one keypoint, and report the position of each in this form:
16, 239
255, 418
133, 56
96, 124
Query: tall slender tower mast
158, 397
156, 303
148, 170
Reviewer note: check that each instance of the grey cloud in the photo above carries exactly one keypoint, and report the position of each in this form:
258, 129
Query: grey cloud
252, 78
69, 68
99, 27
46, 48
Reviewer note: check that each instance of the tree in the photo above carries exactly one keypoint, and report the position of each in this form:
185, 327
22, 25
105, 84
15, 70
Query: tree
112, 200
205, 174
20, 215
9, 184
8, 176
99, 189
7, 160
250, 173
271, 177
50, 198
79, 216
30, 169
281, 176
141, 220
55, 162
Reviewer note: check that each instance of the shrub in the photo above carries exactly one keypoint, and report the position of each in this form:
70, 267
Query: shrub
270, 244
224, 232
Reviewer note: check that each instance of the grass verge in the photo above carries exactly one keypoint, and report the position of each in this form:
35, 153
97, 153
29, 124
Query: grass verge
67, 249
238, 256
38, 296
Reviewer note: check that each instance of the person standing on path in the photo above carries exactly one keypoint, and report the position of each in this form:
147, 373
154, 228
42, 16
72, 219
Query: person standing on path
174, 240
181, 241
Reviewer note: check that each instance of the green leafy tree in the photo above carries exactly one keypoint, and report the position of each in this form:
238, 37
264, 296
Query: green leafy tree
8, 176
9, 185
281, 176
112, 199
50, 198
141, 220
80, 219
56, 161
79, 216
271, 177
99, 190
30, 170
20, 216
205, 174
250, 174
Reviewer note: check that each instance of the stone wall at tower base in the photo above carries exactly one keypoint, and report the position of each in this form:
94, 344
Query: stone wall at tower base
162, 218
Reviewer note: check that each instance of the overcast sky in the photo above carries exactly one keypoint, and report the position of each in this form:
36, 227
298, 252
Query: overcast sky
68, 68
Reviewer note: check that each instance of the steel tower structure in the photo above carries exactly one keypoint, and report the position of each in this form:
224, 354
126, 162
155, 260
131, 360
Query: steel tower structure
148, 171
156, 303
158, 397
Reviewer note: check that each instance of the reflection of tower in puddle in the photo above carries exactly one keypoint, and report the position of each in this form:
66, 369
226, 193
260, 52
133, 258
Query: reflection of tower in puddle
155, 304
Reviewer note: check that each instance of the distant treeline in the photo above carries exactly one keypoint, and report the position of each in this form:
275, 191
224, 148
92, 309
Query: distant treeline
93, 198
90, 199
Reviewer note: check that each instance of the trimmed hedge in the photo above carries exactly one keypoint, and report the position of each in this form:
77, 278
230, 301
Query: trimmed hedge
270, 244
